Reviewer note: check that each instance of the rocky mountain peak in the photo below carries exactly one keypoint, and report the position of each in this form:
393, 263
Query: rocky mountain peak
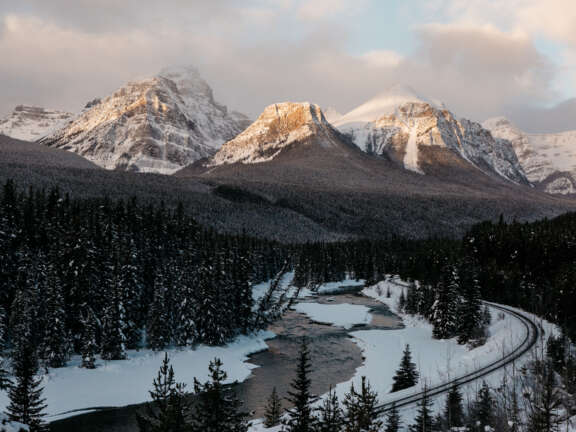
158, 124
279, 126
415, 131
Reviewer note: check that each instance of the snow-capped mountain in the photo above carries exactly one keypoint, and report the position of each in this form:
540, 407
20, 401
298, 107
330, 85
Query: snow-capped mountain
407, 127
549, 160
279, 127
158, 124
30, 123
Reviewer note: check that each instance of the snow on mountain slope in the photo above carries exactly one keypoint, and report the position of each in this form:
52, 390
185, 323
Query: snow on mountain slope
30, 123
549, 160
278, 127
400, 124
159, 124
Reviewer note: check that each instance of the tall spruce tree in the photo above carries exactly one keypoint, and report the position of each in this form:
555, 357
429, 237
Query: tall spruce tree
453, 410
169, 410
217, 408
361, 413
392, 419
55, 344
26, 402
407, 375
470, 309
446, 306
88, 344
273, 413
424, 421
330, 414
113, 327
300, 416
482, 413
158, 327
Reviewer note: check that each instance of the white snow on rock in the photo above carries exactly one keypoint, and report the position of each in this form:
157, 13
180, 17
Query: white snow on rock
158, 124
547, 159
278, 127
399, 123
30, 123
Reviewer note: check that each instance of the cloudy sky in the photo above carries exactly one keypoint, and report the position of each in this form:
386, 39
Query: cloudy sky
483, 58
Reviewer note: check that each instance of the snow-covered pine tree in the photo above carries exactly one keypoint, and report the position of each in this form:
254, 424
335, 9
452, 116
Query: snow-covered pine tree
392, 419
470, 309
158, 327
482, 412
242, 290
22, 319
217, 408
360, 408
88, 344
26, 402
424, 421
113, 346
186, 314
453, 410
273, 413
330, 414
301, 417
406, 376
130, 287
169, 410
55, 344
444, 316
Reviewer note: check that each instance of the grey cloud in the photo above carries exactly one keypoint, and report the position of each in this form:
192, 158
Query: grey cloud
251, 64
561, 117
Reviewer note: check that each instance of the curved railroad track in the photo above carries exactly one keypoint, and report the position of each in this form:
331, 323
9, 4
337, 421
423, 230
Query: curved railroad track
532, 335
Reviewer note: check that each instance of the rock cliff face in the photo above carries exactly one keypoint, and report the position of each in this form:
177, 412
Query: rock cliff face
403, 126
160, 125
30, 123
549, 160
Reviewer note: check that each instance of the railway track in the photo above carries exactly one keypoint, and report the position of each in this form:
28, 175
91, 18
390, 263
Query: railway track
531, 338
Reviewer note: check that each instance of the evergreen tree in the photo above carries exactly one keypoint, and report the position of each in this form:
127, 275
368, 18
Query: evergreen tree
424, 421
158, 330
217, 407
392, 419
361, 409
331, 417
446, 305
482, 413
113, 337
300, 417
453, 410
273, 413
407, 375
55, 344
545, 400
89, 347
470, 318
26, 403
169, 410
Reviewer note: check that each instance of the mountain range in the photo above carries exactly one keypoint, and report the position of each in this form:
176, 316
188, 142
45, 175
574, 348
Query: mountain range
398, 164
